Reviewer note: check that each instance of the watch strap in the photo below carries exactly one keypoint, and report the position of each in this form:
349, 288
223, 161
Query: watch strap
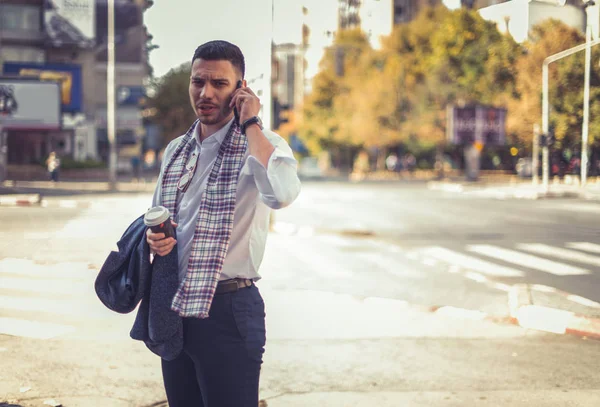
252, 120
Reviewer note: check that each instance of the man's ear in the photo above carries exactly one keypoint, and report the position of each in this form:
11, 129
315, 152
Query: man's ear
244, 83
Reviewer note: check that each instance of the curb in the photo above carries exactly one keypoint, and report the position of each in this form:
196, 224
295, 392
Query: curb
517, 191
525, 313
521, 308
20, 200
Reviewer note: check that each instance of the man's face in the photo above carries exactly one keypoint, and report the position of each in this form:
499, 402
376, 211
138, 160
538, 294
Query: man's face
211, 86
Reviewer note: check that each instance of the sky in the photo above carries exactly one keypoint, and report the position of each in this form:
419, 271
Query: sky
179, 26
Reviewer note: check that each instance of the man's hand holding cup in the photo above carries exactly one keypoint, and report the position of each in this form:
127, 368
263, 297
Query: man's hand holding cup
161, 230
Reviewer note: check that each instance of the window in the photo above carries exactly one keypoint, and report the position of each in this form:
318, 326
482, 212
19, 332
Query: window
20, 18
21, 54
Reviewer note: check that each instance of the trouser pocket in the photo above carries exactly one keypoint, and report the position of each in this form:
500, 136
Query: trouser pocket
249, 314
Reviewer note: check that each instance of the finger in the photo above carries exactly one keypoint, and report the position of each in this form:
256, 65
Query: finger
163, 243
250, 92
159, 245
239, 103
174, 224
234, 98
165, 250
155, 236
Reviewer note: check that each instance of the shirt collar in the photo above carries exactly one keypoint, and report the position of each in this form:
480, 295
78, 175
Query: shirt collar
217, 137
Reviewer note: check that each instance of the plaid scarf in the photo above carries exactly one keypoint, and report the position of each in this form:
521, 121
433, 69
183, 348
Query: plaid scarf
215, 219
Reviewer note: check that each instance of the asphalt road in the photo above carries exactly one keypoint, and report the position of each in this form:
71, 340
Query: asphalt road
351, 276
549, 242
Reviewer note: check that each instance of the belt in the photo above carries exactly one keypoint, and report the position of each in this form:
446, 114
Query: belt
233, 285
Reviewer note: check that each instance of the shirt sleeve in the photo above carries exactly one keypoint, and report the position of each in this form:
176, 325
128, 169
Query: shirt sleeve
278, 184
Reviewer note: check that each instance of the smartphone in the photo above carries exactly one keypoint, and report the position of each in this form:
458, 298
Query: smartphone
235, 111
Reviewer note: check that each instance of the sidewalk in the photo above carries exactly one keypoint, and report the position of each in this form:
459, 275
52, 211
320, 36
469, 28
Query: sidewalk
519, 189
551, 310
537, 398
33, 192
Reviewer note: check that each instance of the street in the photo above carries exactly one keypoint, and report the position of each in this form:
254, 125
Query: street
385, 294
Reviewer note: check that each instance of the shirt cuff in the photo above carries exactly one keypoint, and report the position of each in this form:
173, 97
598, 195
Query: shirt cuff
272, 182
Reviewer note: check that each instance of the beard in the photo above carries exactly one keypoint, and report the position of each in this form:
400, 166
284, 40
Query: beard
217, 115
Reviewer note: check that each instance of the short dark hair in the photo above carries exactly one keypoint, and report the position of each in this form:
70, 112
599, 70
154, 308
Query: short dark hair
221, 50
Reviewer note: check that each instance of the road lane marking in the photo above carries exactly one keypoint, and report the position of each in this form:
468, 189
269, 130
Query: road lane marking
469, 262
583, 301
561, 253
527, 260
585, 246
32, 329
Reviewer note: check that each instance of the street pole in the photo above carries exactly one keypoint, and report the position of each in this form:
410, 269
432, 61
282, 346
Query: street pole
536, 154
110, 97
586, 101
545, 103
3, 154
545, 125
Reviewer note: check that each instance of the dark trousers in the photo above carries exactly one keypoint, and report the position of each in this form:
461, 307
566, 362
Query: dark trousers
222, 356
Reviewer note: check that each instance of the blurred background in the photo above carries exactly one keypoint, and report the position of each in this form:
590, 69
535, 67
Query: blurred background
445, 247
373, 88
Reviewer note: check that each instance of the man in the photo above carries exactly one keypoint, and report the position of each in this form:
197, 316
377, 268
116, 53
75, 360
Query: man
220, 181
53, 165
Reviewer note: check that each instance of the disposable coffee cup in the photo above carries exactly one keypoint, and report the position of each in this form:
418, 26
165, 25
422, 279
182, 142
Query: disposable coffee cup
158, 219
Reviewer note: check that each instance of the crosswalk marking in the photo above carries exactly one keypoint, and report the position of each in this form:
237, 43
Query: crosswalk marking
470, 263
585, 246
32, 329
559, 252
527, 260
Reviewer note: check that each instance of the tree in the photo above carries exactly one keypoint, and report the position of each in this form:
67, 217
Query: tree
325, 109
566, 80
445, 57
399, 95
171, 102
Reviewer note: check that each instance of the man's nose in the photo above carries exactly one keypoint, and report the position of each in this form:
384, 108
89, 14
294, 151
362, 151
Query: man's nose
207, 92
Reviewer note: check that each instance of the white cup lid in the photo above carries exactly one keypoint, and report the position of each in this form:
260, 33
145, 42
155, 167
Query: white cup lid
156, 216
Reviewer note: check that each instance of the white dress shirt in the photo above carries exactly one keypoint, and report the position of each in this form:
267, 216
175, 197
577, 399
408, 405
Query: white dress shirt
259, 190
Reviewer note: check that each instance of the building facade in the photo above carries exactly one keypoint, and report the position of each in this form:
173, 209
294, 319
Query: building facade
517, 17
407, 10
66, 42
287, 79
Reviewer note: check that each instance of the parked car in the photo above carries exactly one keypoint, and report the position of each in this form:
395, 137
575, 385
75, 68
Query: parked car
524, 167
309, 168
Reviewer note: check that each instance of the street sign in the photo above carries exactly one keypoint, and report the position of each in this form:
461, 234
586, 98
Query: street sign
70, 23
478, 124
68, 75
28, 104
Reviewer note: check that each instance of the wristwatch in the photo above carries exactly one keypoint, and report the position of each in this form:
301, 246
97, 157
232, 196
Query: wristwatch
250, 121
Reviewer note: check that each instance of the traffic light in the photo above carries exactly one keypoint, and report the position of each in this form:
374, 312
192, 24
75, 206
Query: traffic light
280, 113
547, 140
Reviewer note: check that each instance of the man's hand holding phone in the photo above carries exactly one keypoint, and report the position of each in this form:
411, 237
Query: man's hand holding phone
245, 103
